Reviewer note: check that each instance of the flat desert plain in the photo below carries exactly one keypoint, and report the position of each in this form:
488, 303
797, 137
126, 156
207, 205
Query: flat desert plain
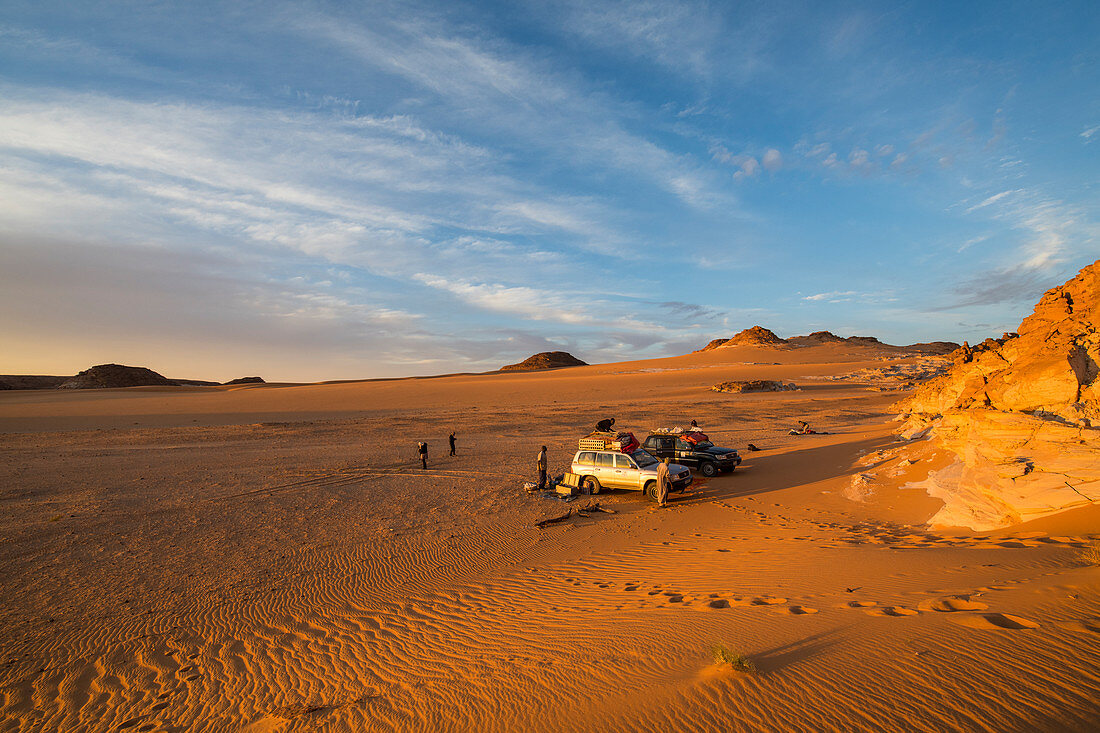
273, 558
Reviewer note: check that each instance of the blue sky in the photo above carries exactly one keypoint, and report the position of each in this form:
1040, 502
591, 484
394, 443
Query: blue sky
320, 190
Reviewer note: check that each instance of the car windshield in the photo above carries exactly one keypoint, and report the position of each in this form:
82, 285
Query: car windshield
642, 458
704, 444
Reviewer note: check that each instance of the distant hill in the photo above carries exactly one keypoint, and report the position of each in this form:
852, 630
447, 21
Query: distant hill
815, 338
545, 360
247, 380
755, 336
760, 336
106, 376
30, 381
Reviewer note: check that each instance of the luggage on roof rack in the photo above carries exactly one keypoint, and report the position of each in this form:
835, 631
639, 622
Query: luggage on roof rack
623, 442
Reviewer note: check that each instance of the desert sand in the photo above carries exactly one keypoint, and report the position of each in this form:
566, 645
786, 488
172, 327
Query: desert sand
272, 558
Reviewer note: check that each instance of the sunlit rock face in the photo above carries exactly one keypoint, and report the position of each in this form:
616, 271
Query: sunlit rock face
1021, 413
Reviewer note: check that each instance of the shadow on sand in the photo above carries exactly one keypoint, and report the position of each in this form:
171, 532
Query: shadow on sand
782, 469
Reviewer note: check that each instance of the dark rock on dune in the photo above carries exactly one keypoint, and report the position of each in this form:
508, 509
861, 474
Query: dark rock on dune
106, 376
545, 360
247, 380
196, 383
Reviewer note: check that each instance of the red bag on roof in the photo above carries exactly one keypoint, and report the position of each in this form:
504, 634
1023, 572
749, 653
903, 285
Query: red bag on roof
695, 436
625, 443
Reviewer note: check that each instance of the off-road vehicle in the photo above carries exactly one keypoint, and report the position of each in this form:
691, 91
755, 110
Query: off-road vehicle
615, 470
703, 456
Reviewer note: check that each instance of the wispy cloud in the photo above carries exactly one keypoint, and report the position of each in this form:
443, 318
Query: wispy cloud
851, 296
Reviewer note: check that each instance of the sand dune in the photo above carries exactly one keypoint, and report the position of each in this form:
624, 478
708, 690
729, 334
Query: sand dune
269, 558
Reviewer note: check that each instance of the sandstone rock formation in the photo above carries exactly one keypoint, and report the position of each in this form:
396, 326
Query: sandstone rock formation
116, 375
754, 385
545, 360
1021, 413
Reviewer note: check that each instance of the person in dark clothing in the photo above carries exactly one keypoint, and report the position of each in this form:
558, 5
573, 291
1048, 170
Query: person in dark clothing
604, 426
422, 451
540, 463
452, 440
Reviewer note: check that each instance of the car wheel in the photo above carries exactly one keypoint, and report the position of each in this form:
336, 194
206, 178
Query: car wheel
708, 469
650, 490
591, 485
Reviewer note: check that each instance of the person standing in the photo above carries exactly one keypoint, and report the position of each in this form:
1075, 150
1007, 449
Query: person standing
540, 463
422, 451
452, 440
662, 483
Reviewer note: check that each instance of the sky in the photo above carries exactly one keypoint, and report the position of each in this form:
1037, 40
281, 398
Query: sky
317, 190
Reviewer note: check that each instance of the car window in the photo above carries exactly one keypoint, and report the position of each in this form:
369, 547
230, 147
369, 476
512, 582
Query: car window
682, 445
703, 445
604, 459
642, 458
622, 461
586, 457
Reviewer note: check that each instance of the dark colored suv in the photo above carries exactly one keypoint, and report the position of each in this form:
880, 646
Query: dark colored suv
705, 457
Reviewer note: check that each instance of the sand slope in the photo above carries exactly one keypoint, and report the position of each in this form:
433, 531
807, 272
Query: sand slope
265, 558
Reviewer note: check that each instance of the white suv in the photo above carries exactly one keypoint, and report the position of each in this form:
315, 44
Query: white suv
614, 470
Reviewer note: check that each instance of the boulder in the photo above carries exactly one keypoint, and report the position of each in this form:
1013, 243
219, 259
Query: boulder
1021, 413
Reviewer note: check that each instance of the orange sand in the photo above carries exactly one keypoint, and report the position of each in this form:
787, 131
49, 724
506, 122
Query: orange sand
265, 558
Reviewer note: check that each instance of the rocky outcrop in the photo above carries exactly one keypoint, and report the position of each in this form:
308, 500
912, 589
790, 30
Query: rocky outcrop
545, 360
714, 344
1021, 413
247, 380
754, 385
106, 376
